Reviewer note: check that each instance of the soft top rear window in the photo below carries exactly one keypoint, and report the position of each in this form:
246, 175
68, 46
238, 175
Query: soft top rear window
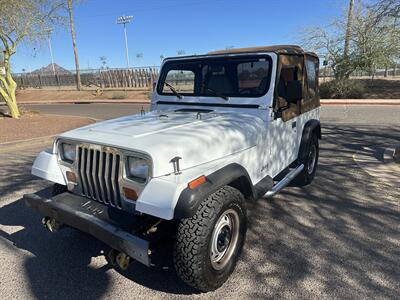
243, 76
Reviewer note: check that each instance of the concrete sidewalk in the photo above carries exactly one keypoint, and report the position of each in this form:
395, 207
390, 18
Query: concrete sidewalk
379, 164
134, 101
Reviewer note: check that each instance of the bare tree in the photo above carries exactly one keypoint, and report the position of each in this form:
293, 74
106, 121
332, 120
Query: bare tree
387, 8
369, 42
72, 28
376, 43
329, 43
21, 20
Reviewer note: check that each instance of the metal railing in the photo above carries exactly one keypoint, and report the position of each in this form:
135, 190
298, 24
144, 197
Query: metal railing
101, 78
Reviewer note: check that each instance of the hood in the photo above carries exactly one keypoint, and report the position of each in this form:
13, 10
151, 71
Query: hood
197, 138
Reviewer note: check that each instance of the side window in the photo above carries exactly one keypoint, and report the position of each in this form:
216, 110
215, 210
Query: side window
181, 80
311, 77
287, 74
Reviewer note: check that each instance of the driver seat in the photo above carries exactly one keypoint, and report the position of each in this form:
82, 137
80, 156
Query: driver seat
220, 83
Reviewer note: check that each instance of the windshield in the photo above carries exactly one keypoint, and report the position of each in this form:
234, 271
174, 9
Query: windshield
245, 76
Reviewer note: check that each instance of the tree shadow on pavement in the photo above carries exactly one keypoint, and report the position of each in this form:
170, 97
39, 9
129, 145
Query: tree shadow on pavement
60, 267
338, 237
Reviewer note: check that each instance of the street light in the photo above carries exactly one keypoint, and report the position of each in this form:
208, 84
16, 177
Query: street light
125, 20
49, 31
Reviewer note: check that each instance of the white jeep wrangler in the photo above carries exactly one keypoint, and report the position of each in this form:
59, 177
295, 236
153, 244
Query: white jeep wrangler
224, 128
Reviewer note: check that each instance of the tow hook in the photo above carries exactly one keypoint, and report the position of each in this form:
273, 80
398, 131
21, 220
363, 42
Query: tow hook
121, 259
51, 224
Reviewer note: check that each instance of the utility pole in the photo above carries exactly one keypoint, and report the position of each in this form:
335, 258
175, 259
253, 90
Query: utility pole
125, 20
49, 31
348, 29
71, 24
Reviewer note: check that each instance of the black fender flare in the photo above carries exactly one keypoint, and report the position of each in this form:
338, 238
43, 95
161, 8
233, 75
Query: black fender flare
312, 126
232, 174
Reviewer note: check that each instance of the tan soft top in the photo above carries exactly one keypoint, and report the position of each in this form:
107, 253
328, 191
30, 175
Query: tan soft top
280, 49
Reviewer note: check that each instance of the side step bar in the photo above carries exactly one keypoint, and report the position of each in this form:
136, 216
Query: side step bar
284, 182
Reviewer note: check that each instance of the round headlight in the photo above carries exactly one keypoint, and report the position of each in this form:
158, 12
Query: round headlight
138, 169
68, 152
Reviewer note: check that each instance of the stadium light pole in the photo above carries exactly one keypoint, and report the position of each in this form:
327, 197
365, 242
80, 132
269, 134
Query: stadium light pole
125, 20
49, 32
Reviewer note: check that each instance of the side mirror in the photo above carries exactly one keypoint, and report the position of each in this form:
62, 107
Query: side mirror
294, 91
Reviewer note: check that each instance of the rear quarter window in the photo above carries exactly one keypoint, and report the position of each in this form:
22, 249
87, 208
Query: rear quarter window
311, 77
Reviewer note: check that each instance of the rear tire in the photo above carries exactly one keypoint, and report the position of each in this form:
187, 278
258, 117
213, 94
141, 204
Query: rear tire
209, 243
310, 161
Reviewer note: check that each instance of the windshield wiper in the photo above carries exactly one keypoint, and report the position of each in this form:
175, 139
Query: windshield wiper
173, 90
215, 93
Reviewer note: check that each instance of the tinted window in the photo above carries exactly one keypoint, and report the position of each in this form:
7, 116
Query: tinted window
311, 76
234, 77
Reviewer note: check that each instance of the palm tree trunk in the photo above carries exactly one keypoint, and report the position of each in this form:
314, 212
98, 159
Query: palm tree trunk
348, 29
72, 27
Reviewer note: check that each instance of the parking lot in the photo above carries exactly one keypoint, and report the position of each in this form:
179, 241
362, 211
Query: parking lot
337, 238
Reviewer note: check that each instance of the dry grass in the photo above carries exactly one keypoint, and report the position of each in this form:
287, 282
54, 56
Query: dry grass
33, 95
379, 88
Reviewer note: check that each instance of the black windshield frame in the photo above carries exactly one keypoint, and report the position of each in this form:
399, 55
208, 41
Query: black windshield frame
188, 64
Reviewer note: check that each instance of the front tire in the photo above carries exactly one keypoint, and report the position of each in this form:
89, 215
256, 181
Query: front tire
209, 243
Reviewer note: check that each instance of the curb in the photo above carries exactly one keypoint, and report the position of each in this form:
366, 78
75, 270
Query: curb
360, 102
146, 102
327, 103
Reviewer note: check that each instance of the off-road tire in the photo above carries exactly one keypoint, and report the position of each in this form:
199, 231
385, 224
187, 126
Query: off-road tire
58, 189
192, 248
306, 176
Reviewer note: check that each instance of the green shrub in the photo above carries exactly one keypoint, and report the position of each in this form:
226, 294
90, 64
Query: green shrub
342, 89
119, 95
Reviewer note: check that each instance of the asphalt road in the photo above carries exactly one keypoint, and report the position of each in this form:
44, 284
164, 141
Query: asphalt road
337, 238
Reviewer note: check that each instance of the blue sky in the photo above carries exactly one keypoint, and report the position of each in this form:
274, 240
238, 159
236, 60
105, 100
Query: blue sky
161, 27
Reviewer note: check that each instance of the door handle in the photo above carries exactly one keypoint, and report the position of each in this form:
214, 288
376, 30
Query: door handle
294, 124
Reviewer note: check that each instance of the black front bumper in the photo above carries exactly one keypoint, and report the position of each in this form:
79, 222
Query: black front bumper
109, 225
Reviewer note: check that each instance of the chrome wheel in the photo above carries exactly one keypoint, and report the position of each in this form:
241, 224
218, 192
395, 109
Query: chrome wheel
224, 239
312, 158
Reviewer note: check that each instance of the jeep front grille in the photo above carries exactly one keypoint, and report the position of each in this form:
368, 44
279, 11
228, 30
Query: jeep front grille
98, 171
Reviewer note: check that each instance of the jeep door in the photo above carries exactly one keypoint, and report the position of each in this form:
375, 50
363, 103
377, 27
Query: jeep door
284, 129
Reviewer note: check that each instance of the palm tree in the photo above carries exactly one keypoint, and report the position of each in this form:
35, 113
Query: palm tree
72, 27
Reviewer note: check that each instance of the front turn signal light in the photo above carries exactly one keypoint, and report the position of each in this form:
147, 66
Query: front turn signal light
130, 194
195, 183
71, 177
